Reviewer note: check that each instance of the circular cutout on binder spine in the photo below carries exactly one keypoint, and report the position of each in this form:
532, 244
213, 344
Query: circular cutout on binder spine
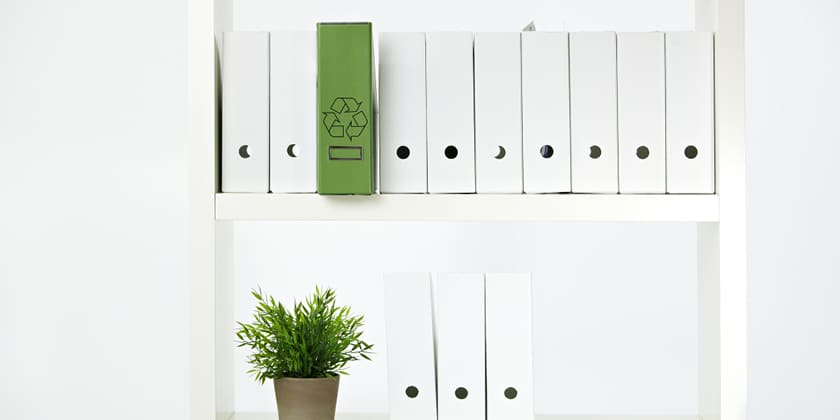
642, 152
451, 152
412, 392
403, 152
501, 154
461, 393
243, 151
594, 152
546, 151
691, 152
511, 393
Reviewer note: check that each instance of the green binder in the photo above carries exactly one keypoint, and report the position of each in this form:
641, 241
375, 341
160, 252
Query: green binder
346, 145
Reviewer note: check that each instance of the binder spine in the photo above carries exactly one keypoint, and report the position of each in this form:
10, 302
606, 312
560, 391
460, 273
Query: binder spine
346, 141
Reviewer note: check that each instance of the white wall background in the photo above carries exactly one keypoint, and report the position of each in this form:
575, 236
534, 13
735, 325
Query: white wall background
93, 298
793, 182
93, 290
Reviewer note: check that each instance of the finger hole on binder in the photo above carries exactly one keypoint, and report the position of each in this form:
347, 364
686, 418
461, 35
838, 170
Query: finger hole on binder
451, 152
461, 393
412, 392
502, 153
546, 151
691, 152
243, 151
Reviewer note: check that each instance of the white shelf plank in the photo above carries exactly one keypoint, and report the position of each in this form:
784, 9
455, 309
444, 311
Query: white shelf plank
383, 416
469, 207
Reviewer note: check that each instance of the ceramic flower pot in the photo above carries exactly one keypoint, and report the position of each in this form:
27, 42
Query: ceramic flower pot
305, 398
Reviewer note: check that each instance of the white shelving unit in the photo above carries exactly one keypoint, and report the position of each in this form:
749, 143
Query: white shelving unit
720, 222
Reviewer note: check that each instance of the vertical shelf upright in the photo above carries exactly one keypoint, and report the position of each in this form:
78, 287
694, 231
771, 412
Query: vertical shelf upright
720, 220
211, 241
722, 267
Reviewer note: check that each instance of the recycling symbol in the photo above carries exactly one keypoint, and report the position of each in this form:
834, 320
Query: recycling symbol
345, 118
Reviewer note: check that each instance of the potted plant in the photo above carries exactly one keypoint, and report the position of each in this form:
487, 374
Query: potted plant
303, 349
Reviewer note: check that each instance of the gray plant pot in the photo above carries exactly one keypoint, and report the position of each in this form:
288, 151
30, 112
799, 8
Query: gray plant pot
306, 399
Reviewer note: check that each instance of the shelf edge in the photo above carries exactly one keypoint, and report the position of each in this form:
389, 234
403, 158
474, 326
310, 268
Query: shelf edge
472, 207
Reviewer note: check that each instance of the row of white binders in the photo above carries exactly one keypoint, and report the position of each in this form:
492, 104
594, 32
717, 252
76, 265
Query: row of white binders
542, 112
268, 98
463, 112
459, 346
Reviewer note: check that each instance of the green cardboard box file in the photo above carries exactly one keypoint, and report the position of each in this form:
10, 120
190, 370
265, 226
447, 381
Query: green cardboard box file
346, 142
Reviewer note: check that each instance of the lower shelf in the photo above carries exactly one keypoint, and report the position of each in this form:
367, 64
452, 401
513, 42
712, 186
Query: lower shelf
383, 416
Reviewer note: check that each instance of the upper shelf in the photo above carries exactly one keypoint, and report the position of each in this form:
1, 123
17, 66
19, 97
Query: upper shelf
469, 207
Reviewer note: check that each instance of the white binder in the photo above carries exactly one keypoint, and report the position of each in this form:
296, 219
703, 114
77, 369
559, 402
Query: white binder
410, 347
498, 113
449, 112
459, 334
294, 67
402, 112
641, 112
510, 378
245, 112
593, 112
545, 112
689, 87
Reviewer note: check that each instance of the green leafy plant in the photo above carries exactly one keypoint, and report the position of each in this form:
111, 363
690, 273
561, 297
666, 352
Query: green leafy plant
313, 339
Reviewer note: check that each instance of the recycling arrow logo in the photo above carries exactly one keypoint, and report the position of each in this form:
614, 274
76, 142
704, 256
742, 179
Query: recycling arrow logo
345, 118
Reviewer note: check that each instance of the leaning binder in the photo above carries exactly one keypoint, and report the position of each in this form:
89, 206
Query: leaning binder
690, 134
449, 90
510, 378
402, 112
410, 351
459, 333
346, 144
245, 112
593, 112
641, 112
498, 113
293, 129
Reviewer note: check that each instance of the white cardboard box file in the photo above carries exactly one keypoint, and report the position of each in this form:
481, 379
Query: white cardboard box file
510, 378
689, 107
294, 70
593, 112
402, 112
410, 346
459, 334
449, 111
245, 112
545, 112
641, 112
498, 112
